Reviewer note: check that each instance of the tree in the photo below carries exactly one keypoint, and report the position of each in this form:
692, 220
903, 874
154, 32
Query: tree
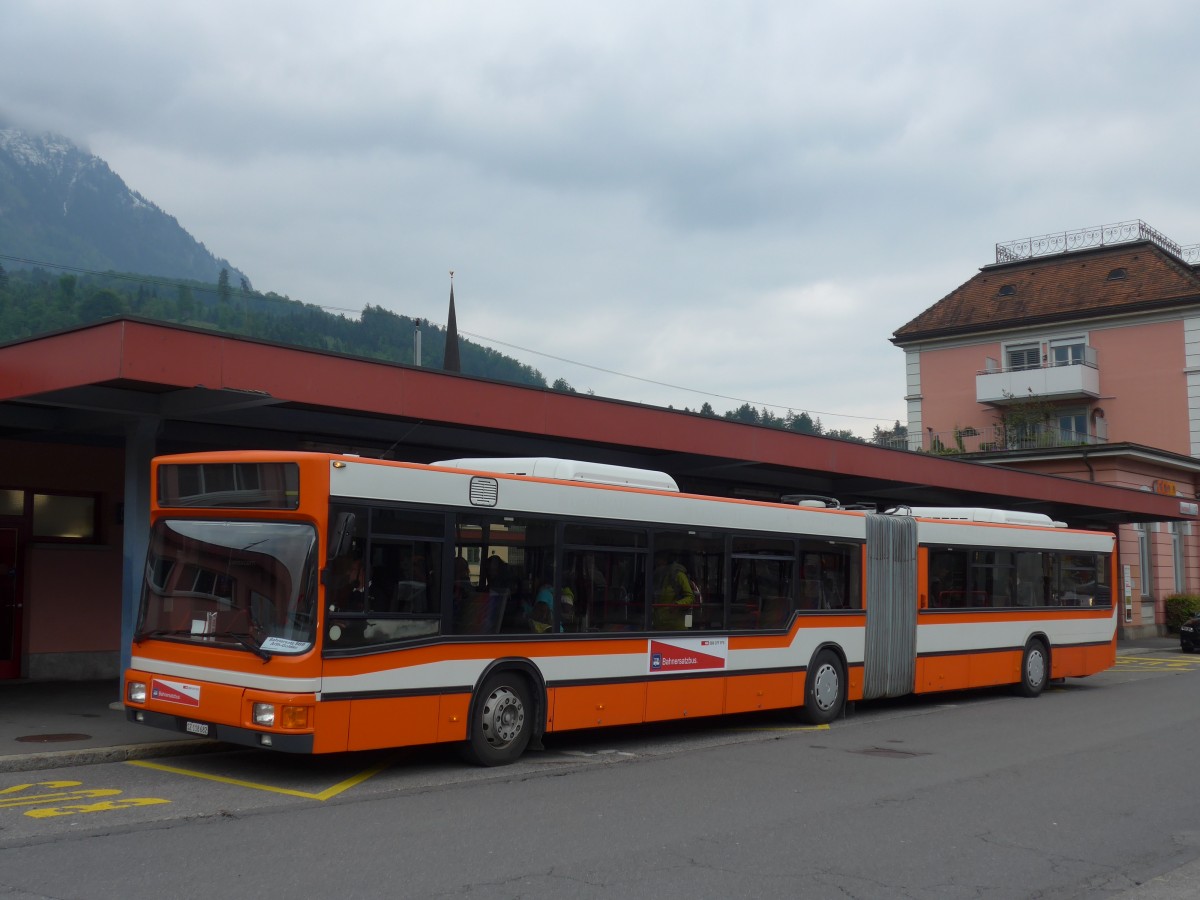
802, 423
744, 413
560, 384
102, 304
185, 304
1023, 422
895, 437
223, 290
844, 434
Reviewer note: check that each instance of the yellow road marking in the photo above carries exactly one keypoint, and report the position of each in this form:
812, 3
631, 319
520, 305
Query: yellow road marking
102, 806
237, 782
1180, 660
12, 797
1159, 664
16, 788
38, 799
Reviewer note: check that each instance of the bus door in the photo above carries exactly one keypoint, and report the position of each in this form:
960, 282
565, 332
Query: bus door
10, 606
890, 661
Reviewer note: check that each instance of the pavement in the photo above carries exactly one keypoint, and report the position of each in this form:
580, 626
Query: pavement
50, 724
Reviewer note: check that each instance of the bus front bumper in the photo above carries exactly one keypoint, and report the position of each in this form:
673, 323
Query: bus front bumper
229, 734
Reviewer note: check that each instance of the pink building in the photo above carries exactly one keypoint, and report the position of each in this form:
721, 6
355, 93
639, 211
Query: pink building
1076, 354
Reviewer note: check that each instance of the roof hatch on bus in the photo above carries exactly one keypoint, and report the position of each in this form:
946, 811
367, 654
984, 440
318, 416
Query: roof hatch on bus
567, 470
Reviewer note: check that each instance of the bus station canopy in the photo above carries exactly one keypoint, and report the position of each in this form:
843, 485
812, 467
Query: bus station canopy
200, 390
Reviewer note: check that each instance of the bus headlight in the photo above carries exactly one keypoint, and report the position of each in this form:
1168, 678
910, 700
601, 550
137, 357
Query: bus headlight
136, 691
264, 714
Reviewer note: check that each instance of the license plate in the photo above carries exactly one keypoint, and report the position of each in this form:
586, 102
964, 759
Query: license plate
197, 727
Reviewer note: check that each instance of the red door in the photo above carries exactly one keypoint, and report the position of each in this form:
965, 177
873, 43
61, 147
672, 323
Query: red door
10, 606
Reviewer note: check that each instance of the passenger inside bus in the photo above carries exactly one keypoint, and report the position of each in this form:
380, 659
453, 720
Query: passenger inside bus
589, 588
481, 611
674, 595
546, 605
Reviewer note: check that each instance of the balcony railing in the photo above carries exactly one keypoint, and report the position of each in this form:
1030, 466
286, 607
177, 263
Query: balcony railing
993, 439
1067, 380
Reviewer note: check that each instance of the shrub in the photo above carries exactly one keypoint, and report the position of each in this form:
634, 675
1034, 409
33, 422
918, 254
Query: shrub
1180, 608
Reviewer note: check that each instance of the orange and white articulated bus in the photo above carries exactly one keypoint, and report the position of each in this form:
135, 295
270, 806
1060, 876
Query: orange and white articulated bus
317, 603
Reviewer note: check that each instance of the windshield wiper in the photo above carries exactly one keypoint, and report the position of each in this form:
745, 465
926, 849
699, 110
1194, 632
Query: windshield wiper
245, 641
242, 639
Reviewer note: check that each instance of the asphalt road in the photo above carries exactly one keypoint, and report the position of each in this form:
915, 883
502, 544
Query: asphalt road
1082, 792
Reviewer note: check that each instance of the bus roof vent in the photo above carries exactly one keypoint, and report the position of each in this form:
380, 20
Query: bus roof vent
567, 470
981, 514
816, 501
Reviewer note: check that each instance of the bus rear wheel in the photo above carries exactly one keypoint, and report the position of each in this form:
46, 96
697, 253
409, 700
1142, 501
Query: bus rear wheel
1035, 669
824, 689
502, 721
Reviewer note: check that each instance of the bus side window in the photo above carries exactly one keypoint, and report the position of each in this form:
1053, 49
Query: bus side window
762, 576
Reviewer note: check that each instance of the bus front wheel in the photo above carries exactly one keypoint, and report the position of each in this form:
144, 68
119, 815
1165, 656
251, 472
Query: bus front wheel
1035, 669
502, 722
824, 689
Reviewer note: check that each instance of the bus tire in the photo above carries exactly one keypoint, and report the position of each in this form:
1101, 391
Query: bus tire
1035, 668
824, 689
501, 721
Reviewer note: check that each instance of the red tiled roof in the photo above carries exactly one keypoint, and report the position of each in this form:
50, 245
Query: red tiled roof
1071, 285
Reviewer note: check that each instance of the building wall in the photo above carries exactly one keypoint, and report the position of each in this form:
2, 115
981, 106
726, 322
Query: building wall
1144, 382
1143, 386
71, 592
948, 394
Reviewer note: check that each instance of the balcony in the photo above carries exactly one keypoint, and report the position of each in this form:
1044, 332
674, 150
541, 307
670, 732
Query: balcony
1074, 380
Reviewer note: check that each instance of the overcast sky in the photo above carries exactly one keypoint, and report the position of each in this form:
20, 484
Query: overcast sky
743, 199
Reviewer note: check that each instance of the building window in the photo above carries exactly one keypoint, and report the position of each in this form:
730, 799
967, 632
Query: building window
1073, 427
1024, 356
63, 517
1068, 351
1144, 560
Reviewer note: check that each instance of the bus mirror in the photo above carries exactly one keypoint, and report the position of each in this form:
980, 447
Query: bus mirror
342, 536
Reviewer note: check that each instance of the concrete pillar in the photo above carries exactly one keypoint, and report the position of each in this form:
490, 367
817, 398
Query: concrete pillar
140, 442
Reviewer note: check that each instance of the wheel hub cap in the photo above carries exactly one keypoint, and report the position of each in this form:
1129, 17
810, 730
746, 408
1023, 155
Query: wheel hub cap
825, 687
503, 717
1036, 669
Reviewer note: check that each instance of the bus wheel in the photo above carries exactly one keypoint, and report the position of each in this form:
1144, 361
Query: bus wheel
824, 690
1035, 669
503, 721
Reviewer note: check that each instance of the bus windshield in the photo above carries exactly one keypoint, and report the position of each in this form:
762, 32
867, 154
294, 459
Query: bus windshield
245, 584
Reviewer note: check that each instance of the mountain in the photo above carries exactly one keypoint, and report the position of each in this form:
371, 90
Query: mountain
64, 205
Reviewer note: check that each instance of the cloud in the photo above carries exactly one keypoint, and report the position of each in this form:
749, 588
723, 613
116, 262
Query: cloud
746, 199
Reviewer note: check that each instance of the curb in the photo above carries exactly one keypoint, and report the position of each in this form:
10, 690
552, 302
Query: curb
55, 759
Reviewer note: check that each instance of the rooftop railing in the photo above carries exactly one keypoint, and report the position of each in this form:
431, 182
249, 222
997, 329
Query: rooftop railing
1089, 239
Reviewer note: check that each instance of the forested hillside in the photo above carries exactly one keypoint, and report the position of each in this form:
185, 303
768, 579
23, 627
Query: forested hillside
35, 301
